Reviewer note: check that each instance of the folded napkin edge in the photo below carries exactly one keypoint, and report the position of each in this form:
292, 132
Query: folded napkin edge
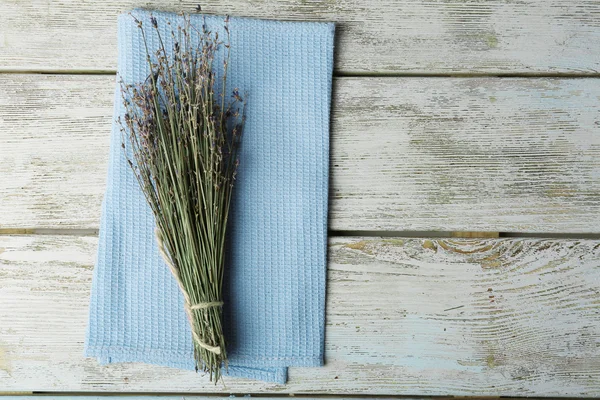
139, 12
274, 375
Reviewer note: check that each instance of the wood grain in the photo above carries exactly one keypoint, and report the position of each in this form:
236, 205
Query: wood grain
62, 396
408, 154
391, 36
483, 154
163, 397
404, 317
54, 135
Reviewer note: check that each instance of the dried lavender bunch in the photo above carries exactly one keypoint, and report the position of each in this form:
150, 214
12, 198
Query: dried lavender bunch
184, 140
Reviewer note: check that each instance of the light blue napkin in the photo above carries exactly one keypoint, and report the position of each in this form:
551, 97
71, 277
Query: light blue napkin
276, 270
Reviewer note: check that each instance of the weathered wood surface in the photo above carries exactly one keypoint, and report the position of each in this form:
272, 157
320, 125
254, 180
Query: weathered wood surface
213, 397
54, 135
391, 36
477, 154
162, 397
187, 397
417, 316
467, 155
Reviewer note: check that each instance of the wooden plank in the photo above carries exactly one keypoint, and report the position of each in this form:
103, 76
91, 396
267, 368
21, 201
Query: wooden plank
54, 136
408, 154
391, 36
159, 396
481, 155
514, 317
163, 397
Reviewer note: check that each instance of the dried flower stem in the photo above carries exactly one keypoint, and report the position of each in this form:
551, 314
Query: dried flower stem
184, 141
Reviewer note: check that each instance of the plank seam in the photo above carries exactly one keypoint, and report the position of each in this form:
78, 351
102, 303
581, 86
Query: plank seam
108, 395
350, 74
337, 233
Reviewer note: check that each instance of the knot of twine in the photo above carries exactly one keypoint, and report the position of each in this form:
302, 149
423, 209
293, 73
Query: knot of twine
188, 306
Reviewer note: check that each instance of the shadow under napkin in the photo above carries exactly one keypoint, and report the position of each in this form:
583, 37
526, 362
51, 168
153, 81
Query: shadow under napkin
276, 271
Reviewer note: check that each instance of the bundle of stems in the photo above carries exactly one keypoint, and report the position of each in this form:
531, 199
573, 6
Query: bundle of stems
181, 140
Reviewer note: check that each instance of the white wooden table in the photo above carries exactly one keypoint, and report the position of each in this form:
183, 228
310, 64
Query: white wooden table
465, 197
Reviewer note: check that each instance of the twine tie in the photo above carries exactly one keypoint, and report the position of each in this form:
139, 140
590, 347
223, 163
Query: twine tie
188, 306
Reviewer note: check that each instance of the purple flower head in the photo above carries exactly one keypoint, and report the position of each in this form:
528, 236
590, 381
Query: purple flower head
236, 94
137, 21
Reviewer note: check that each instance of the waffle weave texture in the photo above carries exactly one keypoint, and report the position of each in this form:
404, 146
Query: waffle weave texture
276, 263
